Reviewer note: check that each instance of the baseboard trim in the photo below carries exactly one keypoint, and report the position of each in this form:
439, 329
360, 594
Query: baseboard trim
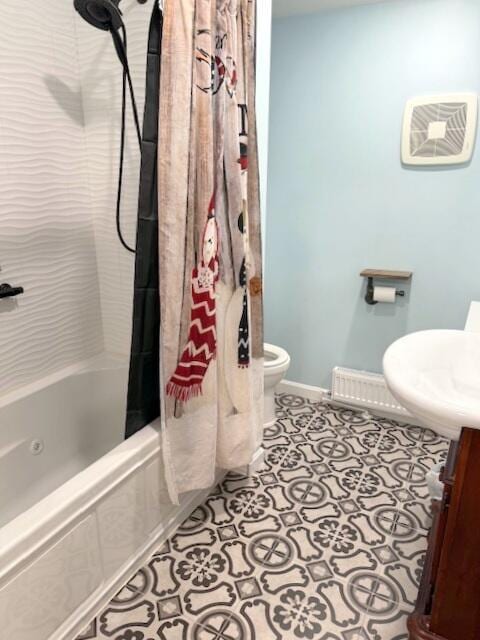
318, 394
304, 390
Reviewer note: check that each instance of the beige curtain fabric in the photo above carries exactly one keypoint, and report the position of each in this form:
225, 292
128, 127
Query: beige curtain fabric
209, 242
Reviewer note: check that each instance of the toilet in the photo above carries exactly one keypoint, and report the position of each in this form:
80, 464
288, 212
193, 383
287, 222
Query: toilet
276, 363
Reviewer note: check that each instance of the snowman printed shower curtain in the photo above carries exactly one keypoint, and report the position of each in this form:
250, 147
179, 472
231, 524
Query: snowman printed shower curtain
211, 325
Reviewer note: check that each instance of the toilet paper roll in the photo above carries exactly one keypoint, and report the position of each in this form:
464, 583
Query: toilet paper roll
384, 294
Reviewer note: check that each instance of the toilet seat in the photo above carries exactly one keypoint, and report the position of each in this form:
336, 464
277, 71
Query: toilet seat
275, 365
274, 356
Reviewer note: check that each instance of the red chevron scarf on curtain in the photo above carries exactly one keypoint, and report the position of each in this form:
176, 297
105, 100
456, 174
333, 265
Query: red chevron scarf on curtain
186, 382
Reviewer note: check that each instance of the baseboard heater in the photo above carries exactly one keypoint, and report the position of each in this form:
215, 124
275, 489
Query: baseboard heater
364, 389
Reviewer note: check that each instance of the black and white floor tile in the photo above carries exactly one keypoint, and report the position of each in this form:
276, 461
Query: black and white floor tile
326, 542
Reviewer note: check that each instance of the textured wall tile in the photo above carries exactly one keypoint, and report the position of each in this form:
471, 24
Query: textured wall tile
46, 227
60, 83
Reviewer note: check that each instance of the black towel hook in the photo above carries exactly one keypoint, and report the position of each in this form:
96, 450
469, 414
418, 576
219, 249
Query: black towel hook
7, 291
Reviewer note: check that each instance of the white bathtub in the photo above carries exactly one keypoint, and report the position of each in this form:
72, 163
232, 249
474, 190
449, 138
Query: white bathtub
78, 517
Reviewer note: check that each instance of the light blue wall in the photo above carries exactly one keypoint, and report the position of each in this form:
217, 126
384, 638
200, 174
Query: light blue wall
339, 199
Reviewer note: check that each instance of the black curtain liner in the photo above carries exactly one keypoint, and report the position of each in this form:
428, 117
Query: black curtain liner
143, 396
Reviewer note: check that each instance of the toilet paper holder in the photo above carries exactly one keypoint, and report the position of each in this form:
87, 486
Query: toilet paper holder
382, 274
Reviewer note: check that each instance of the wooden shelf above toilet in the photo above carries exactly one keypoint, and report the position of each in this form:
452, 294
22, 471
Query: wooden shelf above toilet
386, 274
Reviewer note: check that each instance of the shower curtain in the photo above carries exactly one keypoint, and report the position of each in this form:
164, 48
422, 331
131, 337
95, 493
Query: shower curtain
143, 394
209, 247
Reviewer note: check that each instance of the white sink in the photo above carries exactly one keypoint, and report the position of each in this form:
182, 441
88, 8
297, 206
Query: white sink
436, 376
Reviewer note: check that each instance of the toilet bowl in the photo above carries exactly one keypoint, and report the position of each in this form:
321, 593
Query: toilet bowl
276, 363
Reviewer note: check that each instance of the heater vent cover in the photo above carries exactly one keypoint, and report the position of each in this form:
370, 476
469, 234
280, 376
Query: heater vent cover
439, 129
364, 389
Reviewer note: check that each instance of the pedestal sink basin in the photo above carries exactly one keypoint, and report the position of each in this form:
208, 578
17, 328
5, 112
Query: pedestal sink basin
436, 376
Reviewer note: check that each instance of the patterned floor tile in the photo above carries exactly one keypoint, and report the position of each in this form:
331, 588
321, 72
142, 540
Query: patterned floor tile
392, 626
323, 611
327, 541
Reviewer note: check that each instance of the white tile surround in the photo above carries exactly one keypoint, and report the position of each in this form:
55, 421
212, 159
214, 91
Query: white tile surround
59, 129
46, 228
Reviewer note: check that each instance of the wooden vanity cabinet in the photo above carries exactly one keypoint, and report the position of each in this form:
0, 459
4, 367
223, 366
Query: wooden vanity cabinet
448, 604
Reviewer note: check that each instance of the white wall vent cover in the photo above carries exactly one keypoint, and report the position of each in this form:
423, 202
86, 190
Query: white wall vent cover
439, 129
364, 389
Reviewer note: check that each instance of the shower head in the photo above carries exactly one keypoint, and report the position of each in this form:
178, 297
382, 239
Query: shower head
102, 14
105, 15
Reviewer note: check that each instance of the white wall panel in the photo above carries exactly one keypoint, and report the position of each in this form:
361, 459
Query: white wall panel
46, 230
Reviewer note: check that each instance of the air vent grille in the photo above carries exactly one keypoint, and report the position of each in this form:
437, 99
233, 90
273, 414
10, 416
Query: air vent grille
439, 129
